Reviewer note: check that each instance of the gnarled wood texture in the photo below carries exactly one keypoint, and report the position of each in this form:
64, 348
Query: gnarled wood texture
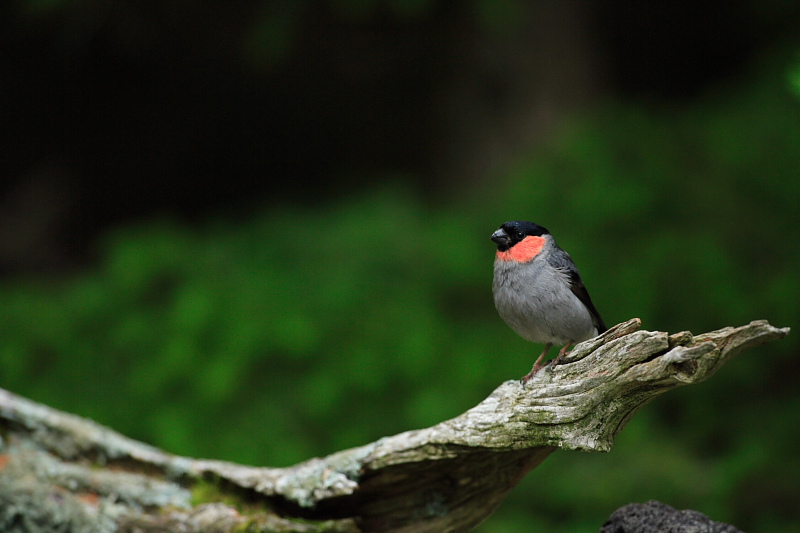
61, 471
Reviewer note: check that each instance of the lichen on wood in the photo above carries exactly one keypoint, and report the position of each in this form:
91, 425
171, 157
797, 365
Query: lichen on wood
448, 477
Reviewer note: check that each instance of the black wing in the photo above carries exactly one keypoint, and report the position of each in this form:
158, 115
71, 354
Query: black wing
563, 262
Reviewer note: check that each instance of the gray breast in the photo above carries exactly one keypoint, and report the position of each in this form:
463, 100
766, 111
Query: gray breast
538, 304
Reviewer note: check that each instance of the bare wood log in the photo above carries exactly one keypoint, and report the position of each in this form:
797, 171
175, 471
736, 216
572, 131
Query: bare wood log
62, 472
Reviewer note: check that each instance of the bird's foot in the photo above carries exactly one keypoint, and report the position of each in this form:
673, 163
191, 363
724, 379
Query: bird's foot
561, 353
527, 377
536, 366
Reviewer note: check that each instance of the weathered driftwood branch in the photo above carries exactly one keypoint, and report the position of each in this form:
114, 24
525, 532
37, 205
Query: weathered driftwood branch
60, 470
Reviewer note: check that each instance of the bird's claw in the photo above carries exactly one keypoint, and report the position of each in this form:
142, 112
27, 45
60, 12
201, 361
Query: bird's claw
527, 377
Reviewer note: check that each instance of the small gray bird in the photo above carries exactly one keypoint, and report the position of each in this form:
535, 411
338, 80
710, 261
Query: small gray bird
538, 291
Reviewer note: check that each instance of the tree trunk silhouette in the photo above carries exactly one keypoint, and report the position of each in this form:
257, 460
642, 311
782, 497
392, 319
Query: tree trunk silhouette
65, 473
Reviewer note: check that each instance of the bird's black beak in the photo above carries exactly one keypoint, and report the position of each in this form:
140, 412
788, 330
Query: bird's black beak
501, 238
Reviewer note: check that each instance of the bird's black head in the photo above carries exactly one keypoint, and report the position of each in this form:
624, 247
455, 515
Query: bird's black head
510, 233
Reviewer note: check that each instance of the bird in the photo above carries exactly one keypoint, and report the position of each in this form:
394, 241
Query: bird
538, 291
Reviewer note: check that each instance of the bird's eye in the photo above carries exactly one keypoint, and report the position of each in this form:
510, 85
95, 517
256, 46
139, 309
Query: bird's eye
520, 235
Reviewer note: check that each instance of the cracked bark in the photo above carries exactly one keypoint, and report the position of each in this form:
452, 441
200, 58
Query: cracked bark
62, 472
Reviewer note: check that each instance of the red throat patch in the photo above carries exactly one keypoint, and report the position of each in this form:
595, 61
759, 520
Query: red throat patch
523, 251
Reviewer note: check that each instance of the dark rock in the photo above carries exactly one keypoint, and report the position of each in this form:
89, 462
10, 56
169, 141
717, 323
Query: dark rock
657, 517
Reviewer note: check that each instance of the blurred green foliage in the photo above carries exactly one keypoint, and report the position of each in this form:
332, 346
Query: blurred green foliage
307, 330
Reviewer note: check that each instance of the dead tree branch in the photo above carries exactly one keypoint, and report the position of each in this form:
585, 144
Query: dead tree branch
62, 472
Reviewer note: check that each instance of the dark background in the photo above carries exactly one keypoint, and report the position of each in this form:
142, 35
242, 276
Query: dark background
258, 230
